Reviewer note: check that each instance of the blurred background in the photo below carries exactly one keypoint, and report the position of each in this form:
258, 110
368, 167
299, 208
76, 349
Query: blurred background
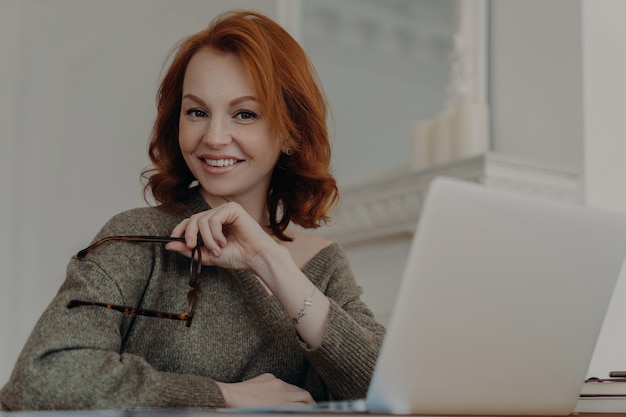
78, 81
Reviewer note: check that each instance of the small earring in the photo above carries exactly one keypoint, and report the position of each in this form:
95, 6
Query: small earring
289, 151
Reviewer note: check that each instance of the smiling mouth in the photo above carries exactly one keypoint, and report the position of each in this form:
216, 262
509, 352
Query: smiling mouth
221, 162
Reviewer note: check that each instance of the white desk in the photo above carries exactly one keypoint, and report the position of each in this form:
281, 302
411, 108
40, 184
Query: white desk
200, 413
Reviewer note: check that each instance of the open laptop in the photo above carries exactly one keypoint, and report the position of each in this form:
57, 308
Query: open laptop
500, 306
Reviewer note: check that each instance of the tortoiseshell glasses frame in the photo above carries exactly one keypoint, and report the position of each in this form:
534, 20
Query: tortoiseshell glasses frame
193, 296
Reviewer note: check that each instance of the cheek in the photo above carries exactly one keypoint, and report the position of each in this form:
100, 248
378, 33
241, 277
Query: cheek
186, 138
272, 145
268, 153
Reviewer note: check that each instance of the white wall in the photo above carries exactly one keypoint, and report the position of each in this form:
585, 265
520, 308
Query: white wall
604, 66
535, 81
604, 86
77, 89
10, 17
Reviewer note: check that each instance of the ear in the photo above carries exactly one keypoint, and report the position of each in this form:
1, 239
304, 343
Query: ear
285, 148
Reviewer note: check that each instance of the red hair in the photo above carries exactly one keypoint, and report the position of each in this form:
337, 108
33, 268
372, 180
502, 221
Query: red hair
302, 189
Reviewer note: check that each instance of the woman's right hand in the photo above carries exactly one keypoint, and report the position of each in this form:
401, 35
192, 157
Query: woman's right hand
232, 239
263, 390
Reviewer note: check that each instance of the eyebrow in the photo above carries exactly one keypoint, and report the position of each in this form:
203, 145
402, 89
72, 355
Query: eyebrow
232, 102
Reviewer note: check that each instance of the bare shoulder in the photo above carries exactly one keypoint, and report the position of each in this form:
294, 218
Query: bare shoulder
305, 246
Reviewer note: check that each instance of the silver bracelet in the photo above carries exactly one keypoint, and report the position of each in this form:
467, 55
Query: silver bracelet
302, 311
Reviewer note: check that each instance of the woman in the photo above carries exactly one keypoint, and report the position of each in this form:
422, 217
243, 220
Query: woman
241, 154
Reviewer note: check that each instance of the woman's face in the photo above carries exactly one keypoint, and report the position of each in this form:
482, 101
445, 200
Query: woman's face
223, 135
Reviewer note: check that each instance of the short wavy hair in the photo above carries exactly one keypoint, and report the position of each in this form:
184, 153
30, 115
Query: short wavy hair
302, 189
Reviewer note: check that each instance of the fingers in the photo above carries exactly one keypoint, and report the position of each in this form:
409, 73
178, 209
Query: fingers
283, 392
231, 237
263, 390
180, 228
206, 224
211, 228
182, 247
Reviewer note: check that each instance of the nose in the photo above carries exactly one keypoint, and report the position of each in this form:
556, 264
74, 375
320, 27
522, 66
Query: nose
217, 134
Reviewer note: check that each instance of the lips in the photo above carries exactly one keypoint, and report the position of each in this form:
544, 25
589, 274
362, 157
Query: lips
225, 162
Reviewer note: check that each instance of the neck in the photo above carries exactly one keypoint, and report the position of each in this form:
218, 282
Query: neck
256, 209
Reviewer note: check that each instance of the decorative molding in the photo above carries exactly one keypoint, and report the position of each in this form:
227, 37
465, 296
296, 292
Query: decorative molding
528, 177
391, 204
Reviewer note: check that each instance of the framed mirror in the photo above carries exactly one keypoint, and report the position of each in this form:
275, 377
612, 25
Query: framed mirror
386, 65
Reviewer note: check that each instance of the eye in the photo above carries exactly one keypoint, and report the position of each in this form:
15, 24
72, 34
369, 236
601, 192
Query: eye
197, 113
245, 115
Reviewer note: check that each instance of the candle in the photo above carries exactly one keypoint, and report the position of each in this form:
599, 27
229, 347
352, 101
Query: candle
473, 129
420, 145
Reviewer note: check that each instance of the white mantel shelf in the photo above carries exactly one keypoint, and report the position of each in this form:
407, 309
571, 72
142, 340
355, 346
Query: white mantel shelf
391, 203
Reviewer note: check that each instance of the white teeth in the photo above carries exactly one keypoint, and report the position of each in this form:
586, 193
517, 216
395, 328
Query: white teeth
220, 162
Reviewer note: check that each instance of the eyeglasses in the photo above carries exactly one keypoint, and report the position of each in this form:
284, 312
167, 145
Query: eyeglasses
193, 296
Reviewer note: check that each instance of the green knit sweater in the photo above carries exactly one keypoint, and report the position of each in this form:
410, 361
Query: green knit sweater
91, 357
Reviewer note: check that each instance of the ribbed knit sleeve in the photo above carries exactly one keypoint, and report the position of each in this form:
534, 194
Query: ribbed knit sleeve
74, 358
346, 358
342, 366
